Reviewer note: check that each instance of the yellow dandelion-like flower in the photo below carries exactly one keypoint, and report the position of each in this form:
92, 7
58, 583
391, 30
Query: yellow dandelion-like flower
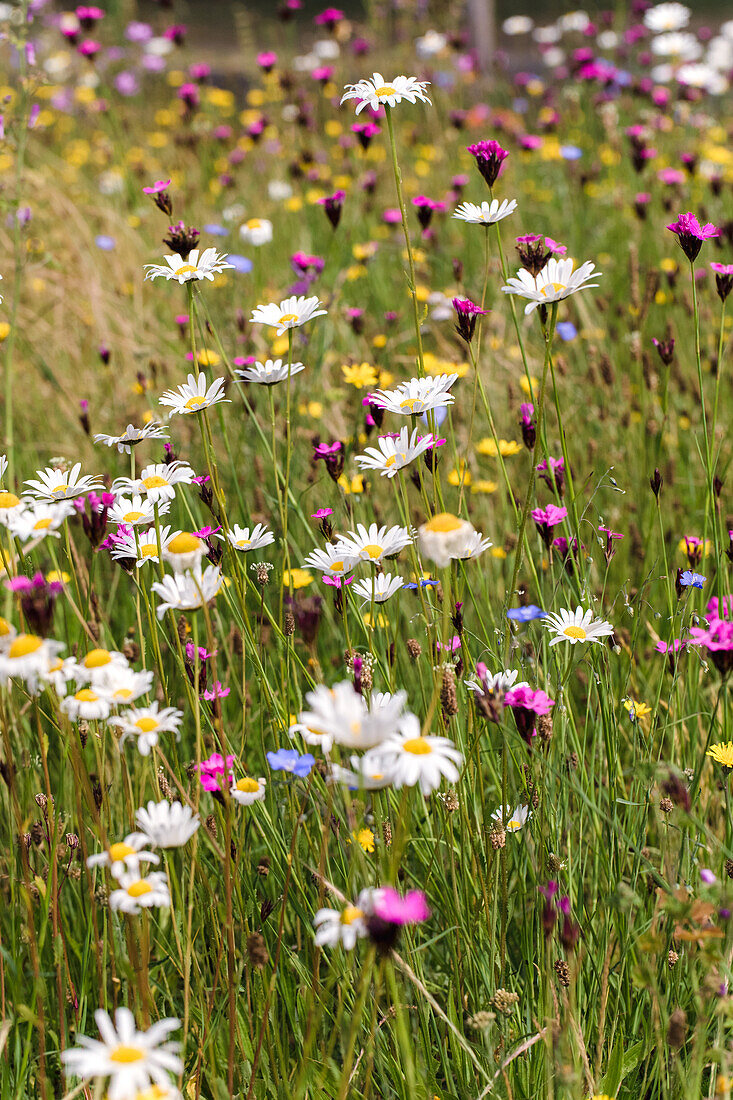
722, 753
361, 375
637, 711
506, 448
298, 578
365, 838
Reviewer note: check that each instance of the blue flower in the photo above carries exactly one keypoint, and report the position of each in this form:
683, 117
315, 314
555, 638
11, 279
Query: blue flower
692, 580
107, 244
289, 760
214, 230
240, 263
566, 330
570, 152
525, 614
428, 583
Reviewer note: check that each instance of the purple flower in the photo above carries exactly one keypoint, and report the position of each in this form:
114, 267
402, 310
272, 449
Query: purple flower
210, 770
525, 614
489, 158
289, 760
723, 279
467, 314
691, 234
391, 907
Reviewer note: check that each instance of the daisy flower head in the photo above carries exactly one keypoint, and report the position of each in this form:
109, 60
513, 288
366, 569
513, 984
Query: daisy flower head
194, 396
364, 774
166, 824
185, 551
123, 686
11, 507
27, 657
136, 893
497, 683
87, 704
256, 232
576, 626
142, 547
342, 926
270, 372
445, 537
690, 234
136, 509
666, 17
291, 313
38, 520
131, 436
145, 724
485, 213
96, 665
417, 396
474, 544
55, 484
187, 591
132, 1060
327, 712
158, 480
413, 760
331, 561
393, 454
378, 589
378, 92
246, 539
373, 543
555, 282
512, 820
196, 266
125, 855
246, 790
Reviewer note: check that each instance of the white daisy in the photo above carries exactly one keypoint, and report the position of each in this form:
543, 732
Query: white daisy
242, 538
270, 372
37, 520
204, 266
342, 926
132, 1060
474, 544
444, 537
7, 633
256, 231
417, 396
394, 454
340, 714
556, 281
291, 313
97, 664
159, 479
187, 591
3, 458
379, 92
512, 820
125, 855
496, 683
132, 436
135, 510
11, 507
167, 824
576, 626
411, 759
86, 703
143, 547
58, 674
373, 543
54, 484
145, 724
246, 790
185, 551
123, 686
666, 17
193, 396
379, 588
26, 657
365, 774
485, 213
136, 893
680, 45
331, 561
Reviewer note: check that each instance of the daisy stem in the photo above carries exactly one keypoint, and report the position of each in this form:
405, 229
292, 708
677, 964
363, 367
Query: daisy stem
406, 231
548, 332
288, 452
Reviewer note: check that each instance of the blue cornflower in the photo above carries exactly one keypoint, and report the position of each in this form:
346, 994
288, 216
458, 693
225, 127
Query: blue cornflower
107, 244
692, 580
570, 152
427, 583
525, 614
240, 263
566, 330
289, 760
214, 230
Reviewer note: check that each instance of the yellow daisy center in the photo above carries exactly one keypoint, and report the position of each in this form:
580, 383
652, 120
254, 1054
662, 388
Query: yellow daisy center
86, 695
59, 490
373, 550
248, 786
124, 1054
185, 543
443, 523
385, 90
120, 851
154, 482
288, 318
97, 658
574, 632
4, 627
418, 746
132, 517
555, 288
148, 550
42, 524
122, 693
350, 914
336, 567
187, 269
139, 889
147, 724
24, 645
253, 223
9, 500
195, 402
409, 404
243, 542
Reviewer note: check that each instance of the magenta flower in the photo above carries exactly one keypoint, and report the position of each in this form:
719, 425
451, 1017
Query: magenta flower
611, 536
210, 770
489, 158
723, 279
527, 705
203, 653
467, 314
546, 519
157, 187
718, 640
691, 234
332, 204
391, 907
267, 60
715, 606
322, 513
217, 692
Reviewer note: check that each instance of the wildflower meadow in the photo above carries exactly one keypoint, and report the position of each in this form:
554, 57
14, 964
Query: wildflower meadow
366, 549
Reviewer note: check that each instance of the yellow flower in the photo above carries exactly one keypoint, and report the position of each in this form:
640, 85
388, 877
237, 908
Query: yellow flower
722, 753
379, 341
682, 546
364, 837
54, 577
668, 265
355, 485
355, 271
298, 578
507, 447
4, 330
435, 366
525, 384
483, 485
208, 358
637, 711
365, 251
361, 375
381, 620
498, 552
462, 474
